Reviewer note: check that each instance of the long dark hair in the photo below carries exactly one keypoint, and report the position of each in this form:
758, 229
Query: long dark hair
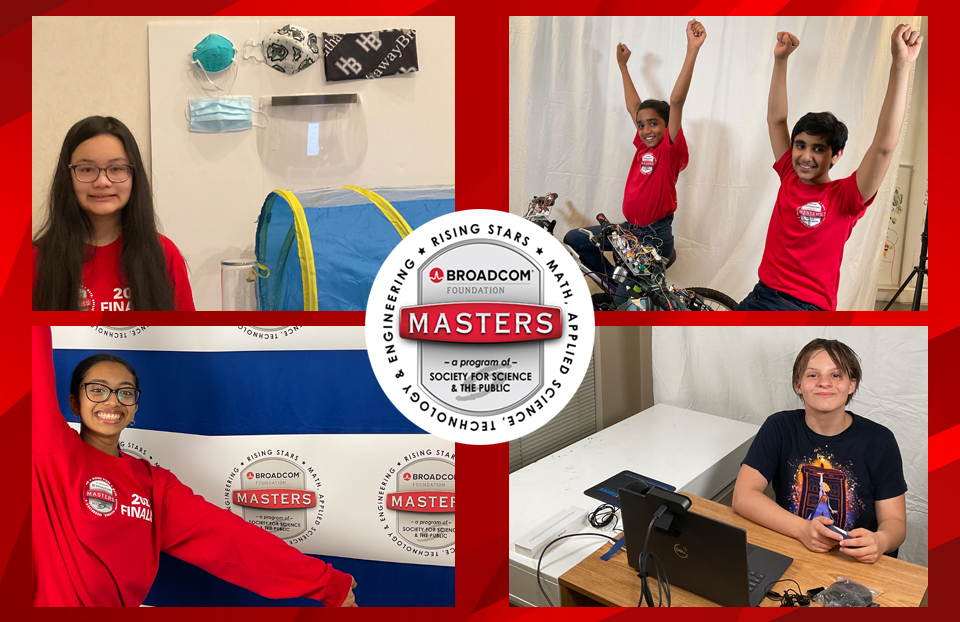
61, 240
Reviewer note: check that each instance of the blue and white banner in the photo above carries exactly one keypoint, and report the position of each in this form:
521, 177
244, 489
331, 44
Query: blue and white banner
288, 428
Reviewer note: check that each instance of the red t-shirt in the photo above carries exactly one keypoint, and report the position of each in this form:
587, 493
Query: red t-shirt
105, 288
100, 522
808, 228
651, 191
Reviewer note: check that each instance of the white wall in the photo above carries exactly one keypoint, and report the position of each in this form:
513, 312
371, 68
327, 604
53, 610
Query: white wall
209, 188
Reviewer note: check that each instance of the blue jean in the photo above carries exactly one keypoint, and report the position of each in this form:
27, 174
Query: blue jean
764, 298
593, 259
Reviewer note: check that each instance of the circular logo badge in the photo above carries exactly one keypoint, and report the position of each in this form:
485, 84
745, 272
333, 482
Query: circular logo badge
479, 327
100, 496
417, 503
277, 491
812, 214
647, 163
87, 302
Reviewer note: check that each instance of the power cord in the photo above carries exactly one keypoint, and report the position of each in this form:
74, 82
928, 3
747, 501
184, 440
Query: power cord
797, 599
603, 516
663, 584
569, 535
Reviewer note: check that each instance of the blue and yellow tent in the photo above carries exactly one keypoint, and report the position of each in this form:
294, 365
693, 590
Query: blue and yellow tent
321, 249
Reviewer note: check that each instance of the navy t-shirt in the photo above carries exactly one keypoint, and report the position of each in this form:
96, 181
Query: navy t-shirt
840, 476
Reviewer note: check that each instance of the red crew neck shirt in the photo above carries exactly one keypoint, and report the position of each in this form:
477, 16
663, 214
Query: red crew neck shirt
105, 288
808, 229
651, 190
100, 522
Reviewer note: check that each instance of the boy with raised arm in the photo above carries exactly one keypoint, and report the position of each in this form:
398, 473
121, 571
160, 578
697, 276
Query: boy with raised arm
814, 216
650, 196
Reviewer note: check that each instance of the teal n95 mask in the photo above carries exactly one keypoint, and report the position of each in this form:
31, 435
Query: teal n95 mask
212, 115
214, 54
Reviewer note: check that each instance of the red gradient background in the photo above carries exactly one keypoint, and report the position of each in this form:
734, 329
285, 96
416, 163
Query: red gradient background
482, 154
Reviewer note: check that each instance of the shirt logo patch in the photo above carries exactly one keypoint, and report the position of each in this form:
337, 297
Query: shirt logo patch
87, 303
647, 162
100, 496
812, 214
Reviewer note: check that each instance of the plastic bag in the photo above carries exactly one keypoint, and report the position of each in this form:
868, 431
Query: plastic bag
847, 593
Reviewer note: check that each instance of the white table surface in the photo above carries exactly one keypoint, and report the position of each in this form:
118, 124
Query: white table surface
692, 451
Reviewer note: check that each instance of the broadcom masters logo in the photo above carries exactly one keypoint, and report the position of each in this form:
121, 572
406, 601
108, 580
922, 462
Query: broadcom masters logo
479, 327
276, 490
417, 501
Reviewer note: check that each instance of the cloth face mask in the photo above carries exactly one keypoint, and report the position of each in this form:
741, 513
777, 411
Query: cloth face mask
221, 114
368, 55
291, 49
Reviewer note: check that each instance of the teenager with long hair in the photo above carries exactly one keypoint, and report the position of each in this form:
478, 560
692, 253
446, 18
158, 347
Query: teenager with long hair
101, 517
99, 249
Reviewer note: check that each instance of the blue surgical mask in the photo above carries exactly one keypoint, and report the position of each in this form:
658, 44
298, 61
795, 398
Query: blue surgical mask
221, 114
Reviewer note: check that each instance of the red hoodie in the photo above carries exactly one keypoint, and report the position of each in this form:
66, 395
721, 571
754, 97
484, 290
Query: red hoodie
100, 522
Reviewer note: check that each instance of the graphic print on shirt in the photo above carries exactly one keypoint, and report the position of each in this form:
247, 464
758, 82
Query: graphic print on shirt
647, 163
812, 214
120, 302
100, 496
823, 488
87, 303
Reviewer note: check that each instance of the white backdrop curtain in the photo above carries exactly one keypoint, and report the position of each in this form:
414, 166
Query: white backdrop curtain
570, 132
744, 373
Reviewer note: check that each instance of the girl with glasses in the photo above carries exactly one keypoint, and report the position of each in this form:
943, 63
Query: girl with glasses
102, 517
98, 249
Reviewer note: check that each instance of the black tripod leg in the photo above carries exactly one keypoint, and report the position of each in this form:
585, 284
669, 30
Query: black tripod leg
899, 291
921, 269
918, 292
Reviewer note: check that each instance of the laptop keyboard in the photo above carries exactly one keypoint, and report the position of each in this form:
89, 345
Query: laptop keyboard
754, 578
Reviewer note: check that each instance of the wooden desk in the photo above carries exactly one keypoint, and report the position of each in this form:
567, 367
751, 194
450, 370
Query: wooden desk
694, 451
594, 582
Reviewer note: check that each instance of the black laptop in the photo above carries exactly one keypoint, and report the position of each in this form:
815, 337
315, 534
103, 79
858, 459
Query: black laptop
702, 555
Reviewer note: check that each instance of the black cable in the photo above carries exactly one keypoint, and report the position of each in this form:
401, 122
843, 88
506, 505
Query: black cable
603, 516
662, 584
785, 598
569, 535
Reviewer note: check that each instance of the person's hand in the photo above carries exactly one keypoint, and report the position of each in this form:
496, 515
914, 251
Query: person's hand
818, 538
786, 44
864, 546
696, 34
350, 601
905, 44
623, 54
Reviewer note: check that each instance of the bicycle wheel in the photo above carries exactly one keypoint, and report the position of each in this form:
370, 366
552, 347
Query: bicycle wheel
717, 301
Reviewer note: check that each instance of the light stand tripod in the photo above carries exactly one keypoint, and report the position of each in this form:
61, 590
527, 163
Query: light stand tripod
920, 271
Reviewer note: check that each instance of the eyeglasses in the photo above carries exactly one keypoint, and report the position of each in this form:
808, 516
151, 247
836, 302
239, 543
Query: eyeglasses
117, 173
96, 392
